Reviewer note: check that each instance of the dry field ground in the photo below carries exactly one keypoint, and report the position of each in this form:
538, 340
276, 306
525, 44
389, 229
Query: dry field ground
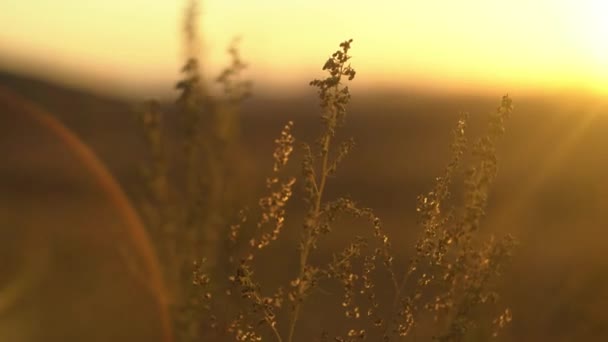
551, 194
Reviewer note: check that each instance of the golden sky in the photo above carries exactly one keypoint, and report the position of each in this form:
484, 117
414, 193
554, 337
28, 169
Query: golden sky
465, 45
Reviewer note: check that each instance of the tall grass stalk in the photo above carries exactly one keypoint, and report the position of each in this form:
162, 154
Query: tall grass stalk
448, 284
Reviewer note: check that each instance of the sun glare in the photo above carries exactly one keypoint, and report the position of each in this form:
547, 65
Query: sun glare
588, 24
595, 25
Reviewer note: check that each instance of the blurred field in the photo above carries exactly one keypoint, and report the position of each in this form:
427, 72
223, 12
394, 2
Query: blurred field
551, 193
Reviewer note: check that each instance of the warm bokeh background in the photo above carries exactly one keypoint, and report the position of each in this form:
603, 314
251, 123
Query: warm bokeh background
418, 63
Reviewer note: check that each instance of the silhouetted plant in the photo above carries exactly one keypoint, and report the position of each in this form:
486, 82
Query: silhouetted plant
446, 284
450, 275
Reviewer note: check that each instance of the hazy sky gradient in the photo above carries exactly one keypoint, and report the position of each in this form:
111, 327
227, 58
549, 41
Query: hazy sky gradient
467, 45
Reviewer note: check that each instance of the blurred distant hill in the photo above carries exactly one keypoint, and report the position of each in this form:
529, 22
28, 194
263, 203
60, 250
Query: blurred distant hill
402, 136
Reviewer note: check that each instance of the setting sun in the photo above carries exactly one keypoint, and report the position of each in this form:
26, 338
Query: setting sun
590, 26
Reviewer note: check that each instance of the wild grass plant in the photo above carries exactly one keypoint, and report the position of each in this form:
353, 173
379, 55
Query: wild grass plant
210, 247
